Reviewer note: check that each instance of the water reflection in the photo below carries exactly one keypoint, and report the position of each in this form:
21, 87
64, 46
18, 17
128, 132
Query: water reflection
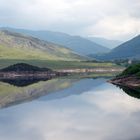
101, 112
21, 82
12, 95
16, 91
131, 92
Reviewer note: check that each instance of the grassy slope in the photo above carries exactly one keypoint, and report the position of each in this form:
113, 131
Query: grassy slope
29, 54
76, 43
57, 64
18, 46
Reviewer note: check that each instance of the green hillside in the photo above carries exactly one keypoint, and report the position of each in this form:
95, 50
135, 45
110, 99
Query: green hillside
133, 70
129, 79
18, 46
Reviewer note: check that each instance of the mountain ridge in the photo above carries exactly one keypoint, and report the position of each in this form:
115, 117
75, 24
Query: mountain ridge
128, 50
78, 44
19, 46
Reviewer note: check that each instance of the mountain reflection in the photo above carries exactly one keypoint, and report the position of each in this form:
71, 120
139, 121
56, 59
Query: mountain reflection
21, 82
131, 92
11, 94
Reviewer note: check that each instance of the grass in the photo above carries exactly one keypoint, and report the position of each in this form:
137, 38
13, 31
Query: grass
55, 65
21, 53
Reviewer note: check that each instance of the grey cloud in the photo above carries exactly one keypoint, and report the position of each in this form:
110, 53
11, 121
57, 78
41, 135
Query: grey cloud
77, 17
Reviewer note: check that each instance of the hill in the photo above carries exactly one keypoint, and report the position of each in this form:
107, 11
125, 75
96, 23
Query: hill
106, 42
23, 67
18, 46
127, 50
78, 44
133, 70
129, 77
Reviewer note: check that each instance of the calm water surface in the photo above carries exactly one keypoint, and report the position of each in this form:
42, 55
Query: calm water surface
88, 109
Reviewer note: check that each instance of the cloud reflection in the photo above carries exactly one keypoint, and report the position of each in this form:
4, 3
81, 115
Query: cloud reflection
103, 113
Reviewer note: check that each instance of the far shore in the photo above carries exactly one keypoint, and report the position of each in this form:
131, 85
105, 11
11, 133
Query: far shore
91, 70
64, 72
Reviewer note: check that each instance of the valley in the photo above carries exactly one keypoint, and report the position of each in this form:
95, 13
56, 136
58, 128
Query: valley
69, 70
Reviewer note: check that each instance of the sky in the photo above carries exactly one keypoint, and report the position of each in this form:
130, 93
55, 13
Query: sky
112, 19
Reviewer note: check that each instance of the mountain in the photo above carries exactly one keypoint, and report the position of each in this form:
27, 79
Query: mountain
78, 44
127, 50
106, 42
18, 46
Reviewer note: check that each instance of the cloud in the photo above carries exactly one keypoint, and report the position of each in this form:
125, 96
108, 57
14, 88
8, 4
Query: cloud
80, 17
115, 27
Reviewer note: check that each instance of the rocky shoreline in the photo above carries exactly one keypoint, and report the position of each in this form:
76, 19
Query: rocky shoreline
47, 74
23, 70
128, 81
26, 71
12, 75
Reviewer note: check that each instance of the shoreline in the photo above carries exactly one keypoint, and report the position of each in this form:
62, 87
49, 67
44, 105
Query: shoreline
91, 70
57, 73
43, 75
129, 81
